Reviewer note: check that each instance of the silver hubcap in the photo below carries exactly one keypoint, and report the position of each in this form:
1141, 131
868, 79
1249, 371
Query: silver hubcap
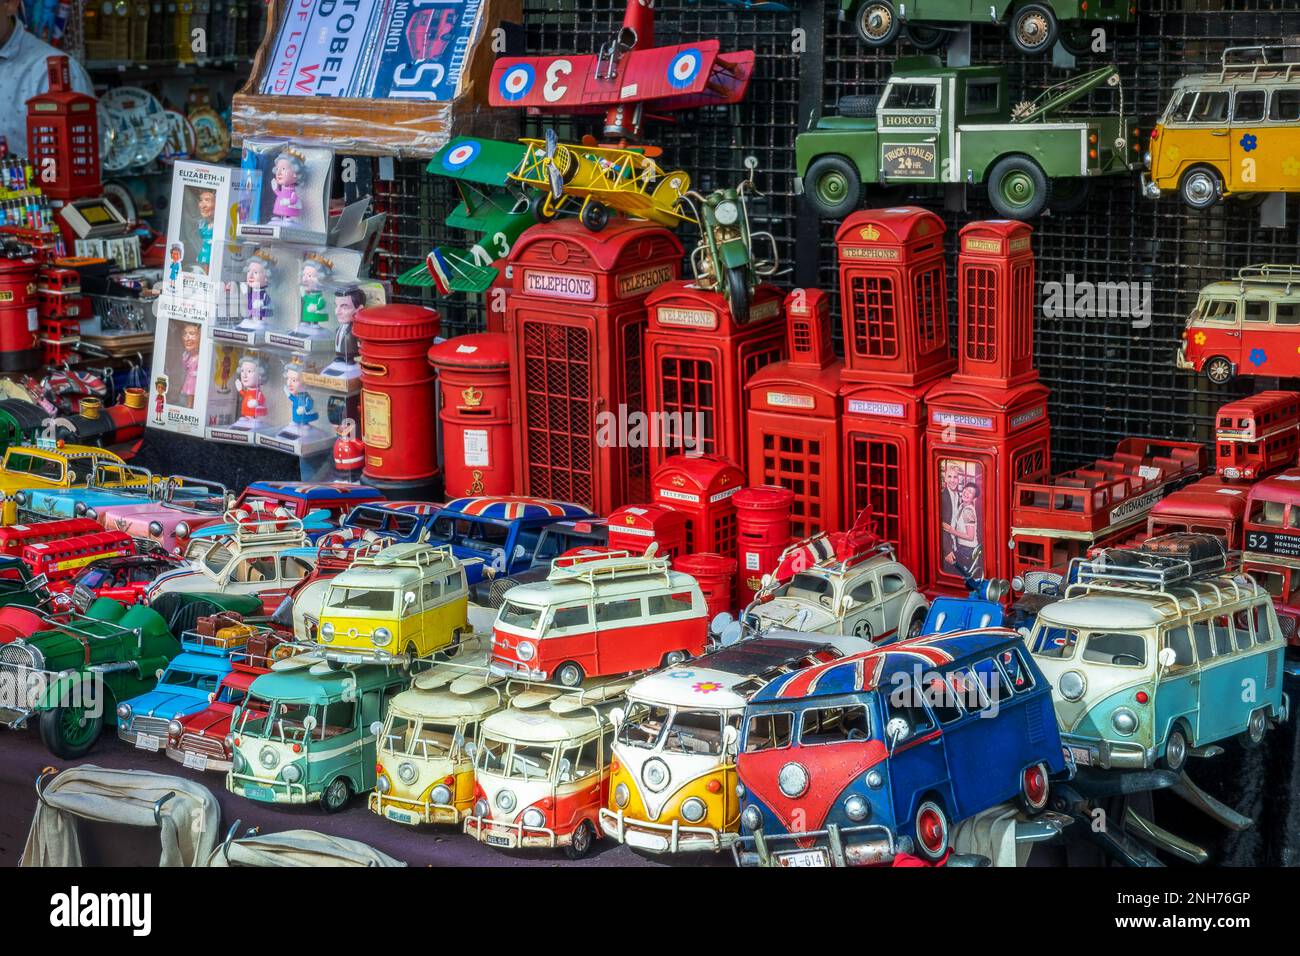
1176, 750
1200, 188
1257, 727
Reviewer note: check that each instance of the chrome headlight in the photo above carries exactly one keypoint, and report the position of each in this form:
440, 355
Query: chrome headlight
174, 728
506, 800
693, 810
124, 711
440, 794
740, 789
382, 636
480, 808
534, 818
1072, 685
621, 795
875, 779
1124, 721
238, 763
655, 774
21, 497
291, 774
793, 780
406, 772
526, 650
156, 528
229, 741
752, 818
382, 783
326, 631
726, 212
268, 758
79, 508
856, 808
91, 513
182, 529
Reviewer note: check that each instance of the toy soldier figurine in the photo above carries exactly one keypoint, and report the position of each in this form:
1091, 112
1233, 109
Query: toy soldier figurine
315, 270
349, 451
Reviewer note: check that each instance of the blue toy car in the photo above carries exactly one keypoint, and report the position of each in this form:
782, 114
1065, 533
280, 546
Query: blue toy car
852, 762
182, 690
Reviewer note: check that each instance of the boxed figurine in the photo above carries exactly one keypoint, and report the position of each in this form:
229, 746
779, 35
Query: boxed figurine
244, 398
344, 298
295, 424
199, 223
285, 191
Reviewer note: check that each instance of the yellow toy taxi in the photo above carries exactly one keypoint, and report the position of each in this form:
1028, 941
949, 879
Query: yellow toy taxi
50, 465
405, 602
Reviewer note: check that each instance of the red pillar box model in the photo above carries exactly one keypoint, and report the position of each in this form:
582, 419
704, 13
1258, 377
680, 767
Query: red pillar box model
715, 574
794, 418
698, 359
18, 315
894, 296
398, 397
633, 528
477, 445
763, 531
995, 304
703, 488
576, 314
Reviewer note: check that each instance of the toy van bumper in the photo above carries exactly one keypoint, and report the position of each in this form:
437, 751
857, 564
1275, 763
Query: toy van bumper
867, 845
798, 185
411, 812
1149, 188
674, 837
515, 670
1108, 755
267, 791
1181, 361
512, 836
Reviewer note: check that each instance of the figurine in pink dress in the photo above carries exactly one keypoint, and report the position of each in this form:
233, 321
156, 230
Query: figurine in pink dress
190, 337
286, 174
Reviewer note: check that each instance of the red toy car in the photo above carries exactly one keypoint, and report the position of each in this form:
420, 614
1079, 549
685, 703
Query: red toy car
123, 579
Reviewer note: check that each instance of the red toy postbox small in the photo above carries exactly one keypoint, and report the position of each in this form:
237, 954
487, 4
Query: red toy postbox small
18, 315
633, 528
477, 445
698, 359
763, 530
398, 397
715, 574
576, 314
63, 137
702, 487
995, 304
894, 295
794, 418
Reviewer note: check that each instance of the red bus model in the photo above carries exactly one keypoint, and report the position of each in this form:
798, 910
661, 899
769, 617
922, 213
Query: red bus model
1271, 546
1256, 436
1212, 505
1055, 521
61, 560
16, 537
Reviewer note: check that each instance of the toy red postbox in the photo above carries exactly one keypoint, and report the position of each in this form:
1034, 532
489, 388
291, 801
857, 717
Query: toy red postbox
63, 136
702, 487
715, 574
894, 295
995, 304
477, 446
398, 397
794, 418
883, 453
18, 315
698, 359
762, 531
633, 528
576, 314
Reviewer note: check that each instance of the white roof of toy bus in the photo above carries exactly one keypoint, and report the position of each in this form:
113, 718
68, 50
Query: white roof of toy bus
541, 726
441, 704
544, 593
1144, 608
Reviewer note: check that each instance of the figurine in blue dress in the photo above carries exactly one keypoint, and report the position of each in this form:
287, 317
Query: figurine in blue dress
302, 407
207, 213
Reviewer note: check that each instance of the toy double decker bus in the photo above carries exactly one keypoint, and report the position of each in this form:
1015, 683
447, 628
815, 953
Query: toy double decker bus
16, 537
61, 560
1271, 545
1065, 517
1256, 436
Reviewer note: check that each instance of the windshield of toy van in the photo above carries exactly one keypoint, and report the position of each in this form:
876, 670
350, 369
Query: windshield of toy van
1053, 642
520, 616
217, 559
392, 523
481, 536
697, 732
1217, 311
275, 719
490, 755
47, 469
643, 725
177, 677
425, 738
372, 600
768, 732
1117, 648
531, 761
812, 587
1180, 107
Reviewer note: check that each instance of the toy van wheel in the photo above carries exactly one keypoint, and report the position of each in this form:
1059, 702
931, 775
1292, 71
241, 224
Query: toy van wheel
1219, 370
1201, 187
914, 626
673, 658
569, 674
1176, 748
584, 838
877, 23
1256, 728
1035, 789
1033, 29
70, 732
833, 187
336, 795
931, 831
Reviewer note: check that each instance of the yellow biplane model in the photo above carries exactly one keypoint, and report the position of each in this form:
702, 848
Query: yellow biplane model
601, 178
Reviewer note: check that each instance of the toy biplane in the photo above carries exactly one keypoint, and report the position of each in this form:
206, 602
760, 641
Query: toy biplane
600, 178
627, 77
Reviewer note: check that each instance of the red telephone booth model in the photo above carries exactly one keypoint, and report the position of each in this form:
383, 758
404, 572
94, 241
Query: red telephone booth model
474, 382
702, 487
577, 316
794, 418
699, 358
63, 136
883, 457
894, 295
763, 529
995, 304
633, 528
980, 442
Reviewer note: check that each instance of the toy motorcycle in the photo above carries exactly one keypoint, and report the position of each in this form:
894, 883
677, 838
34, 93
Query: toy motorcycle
725, 258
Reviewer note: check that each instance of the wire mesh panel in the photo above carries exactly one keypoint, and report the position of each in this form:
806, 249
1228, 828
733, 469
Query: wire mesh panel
1110, 374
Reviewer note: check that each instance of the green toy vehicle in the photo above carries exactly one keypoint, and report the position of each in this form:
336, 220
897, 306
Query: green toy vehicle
938, 124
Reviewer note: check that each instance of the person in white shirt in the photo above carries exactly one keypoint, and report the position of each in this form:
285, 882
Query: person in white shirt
23, 75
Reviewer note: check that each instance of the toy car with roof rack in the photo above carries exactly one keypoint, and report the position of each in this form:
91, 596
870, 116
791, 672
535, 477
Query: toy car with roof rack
561, 538
301, 498
123, 579
1148, 650
1244, 326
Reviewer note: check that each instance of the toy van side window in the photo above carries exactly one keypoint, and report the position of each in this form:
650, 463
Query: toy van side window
1249, 106
619, 609
993, 681
834, 725
430, 591
1223, 635
1285, 106
1263, 624
903, 701
1180, 639
944, 701
1211, 107
1203, 637
1017, 670
658, 604
1286, 313
768, 732
567, 617
1242, 630
580, 760
340, 717
1255, 310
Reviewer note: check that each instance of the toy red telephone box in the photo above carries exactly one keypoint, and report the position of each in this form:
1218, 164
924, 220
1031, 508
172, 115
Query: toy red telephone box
633, 528
477, 447
894, 295
703, 488
63, 137
794, 418
698, 359
995, 304
576, 314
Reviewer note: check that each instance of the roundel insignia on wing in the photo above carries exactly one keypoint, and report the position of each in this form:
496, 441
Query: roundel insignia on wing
516, 82
460, 156
684, 67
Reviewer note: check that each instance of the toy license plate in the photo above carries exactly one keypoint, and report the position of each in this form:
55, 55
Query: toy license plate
195, 761
259, 793
804, 858
495, 840
1081, 756
401, 816
146, 742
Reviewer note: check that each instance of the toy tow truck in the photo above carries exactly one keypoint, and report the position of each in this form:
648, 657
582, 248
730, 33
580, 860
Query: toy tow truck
938, 124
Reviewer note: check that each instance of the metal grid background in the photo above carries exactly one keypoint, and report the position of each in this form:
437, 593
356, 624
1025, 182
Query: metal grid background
1108, 378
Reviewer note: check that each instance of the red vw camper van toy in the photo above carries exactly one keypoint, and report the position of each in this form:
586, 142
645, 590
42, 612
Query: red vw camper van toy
597, 617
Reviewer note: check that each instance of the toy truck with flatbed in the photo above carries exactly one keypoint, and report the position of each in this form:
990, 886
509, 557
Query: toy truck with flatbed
956, 125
